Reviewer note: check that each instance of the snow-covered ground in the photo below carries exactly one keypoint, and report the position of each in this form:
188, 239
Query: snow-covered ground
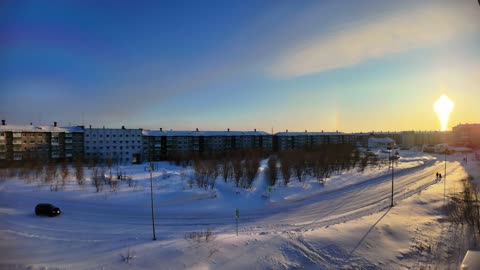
345, 224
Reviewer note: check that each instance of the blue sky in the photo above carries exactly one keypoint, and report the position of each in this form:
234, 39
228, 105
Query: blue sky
297, 65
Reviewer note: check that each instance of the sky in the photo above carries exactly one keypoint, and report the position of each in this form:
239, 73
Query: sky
266, 65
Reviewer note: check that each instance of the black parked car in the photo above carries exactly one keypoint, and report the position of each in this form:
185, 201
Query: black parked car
46, 209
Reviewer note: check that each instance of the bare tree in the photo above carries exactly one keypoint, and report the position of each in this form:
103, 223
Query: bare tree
272, 172
79, 174
64, 173
286, 168
97, 179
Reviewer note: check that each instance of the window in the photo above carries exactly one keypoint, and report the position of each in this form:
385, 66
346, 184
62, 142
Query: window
108, 135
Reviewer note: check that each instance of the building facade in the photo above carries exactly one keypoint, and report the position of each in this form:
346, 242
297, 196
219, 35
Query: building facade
40, 143
467, 135
159, 145
120, 146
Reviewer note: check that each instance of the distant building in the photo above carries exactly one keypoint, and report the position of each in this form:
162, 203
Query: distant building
467, 135
160, 144
303, 140
384, 143
120, 146
32, 142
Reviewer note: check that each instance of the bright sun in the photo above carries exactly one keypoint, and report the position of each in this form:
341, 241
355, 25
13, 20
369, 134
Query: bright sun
443, 107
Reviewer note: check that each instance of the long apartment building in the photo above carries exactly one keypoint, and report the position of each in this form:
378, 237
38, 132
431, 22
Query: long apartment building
298, 140
120, 146
124, 146
33, 142
467, 135
160, 144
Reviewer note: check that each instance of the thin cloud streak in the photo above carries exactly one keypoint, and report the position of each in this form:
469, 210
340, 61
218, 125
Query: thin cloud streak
402, 32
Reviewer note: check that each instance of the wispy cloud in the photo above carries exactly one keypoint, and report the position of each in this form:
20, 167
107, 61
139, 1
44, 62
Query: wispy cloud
425, 27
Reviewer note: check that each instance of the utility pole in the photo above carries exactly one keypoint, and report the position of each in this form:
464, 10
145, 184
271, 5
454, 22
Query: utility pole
445, 177
391, 158
151, 198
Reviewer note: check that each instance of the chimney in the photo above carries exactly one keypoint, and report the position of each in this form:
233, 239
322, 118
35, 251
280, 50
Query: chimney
286, 130
228, 129
305, 131
255, 129
54, 124
31, 124
3, 122
197, 129
161, 129
90, 126
123, 127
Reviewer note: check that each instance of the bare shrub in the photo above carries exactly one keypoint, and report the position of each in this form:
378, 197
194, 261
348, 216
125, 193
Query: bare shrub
464, 207
201, 236
128, 256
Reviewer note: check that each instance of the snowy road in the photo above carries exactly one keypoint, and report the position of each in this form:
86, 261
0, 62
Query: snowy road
97, 221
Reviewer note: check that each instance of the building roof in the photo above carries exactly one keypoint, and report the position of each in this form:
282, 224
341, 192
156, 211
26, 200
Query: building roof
467, 126
176, 133
35, 128
309, 133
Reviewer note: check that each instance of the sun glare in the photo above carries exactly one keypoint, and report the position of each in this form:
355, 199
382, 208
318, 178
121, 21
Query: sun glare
443, 107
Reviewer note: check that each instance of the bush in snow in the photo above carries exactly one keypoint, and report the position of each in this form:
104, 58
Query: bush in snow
128, 256
464, 207
202, 236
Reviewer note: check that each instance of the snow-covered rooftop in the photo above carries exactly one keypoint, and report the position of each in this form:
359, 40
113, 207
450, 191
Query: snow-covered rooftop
308, 133
35, 128
381, 140
175, 133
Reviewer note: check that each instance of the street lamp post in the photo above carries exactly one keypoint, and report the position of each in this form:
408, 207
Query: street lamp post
445, 176
390, 157
151, 199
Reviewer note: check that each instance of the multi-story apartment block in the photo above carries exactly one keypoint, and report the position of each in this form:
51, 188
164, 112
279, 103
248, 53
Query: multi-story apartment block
298, 140
161, 144
31, 142
116, 145
467, 135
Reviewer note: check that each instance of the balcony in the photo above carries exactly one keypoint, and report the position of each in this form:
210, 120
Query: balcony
17, 135
17, 142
